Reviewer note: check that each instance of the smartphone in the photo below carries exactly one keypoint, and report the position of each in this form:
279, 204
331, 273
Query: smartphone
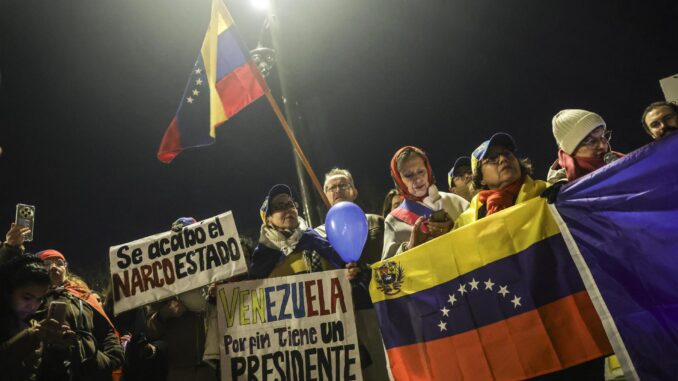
438, 216
25, 216
57, 311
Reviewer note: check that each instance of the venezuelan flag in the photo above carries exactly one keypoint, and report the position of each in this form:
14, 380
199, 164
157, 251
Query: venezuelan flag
499, 299
222, 82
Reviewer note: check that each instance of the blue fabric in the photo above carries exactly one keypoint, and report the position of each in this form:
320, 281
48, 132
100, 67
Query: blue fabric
264, 258
624, 219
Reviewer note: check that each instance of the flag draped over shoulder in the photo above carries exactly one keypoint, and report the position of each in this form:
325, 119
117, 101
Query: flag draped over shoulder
222, 82
499, 299
622, 228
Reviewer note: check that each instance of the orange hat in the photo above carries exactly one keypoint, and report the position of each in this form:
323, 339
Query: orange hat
50, 254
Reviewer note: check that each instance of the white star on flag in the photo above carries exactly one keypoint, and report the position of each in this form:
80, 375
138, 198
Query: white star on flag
198, 71
516, 301
452, 299
445, 311
442, 326
489, 284
198, 81
462, 289
196, 92
503, 290
189, 100
474, 284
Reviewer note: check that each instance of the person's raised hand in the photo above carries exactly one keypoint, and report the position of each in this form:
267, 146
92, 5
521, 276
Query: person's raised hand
16, 235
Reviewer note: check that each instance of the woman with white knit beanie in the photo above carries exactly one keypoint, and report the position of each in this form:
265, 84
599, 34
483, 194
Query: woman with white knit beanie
583, 144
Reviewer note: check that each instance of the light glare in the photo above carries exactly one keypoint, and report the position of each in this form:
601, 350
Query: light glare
261, 4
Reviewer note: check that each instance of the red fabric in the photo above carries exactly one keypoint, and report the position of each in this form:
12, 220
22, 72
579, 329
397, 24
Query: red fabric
170, 146
400, 185
499, 199
576, 167
561, 334
239, 88
50, 254
87, 295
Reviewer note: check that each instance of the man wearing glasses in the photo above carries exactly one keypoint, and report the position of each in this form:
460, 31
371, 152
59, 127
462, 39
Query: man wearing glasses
583, 144
339, 186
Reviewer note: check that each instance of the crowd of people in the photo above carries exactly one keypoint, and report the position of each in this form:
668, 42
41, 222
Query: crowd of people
54, 327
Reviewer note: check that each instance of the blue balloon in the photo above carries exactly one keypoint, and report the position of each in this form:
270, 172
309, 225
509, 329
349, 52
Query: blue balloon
346, 227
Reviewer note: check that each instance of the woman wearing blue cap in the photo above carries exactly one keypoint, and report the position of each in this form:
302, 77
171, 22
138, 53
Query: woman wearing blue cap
503, 179
286, 245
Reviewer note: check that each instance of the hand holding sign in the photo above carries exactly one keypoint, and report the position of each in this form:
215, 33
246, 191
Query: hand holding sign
346, 226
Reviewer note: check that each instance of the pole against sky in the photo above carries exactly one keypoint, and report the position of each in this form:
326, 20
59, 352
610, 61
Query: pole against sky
261, 4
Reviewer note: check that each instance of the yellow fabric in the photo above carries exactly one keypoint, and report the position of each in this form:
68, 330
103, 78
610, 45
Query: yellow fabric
220, 20
613, 363
530, 189
466, 249
295, 264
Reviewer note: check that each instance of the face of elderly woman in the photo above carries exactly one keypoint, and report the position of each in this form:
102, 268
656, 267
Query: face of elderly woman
283, 213
415, 176
595, 145
500, 167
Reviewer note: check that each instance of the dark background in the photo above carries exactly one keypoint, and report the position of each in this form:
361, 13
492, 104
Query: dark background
89, 87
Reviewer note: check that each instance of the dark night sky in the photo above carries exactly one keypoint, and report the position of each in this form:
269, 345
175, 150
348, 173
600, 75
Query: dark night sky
88, 88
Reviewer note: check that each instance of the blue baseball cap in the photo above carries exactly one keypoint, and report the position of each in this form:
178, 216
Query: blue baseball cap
500, 138
276, 190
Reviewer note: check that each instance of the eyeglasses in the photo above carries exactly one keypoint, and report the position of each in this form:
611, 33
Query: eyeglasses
494, 158
49, 262
284, 206
338, 187
414, 175
592, 141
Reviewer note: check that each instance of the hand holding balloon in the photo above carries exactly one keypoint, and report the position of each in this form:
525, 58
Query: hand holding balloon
346, 226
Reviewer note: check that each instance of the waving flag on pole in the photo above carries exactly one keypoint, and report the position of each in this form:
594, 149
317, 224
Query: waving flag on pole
222, 82
621, 226
499, 299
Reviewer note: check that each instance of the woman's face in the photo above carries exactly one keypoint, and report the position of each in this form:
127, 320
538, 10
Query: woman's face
27, 298
594, 146
500, 167
415, 176
395, 201
283, 213
56, 268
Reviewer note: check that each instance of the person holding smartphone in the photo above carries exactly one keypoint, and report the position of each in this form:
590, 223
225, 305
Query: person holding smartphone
14, 242
425, 213
23, 283
95, 350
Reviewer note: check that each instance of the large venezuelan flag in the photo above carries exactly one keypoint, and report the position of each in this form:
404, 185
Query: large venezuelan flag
499, 299
223, 81
621, 225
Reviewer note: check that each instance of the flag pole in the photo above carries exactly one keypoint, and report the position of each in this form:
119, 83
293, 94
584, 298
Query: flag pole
296, 146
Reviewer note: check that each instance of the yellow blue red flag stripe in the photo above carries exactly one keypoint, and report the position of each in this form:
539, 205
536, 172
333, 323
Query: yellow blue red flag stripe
222, 82
499, 299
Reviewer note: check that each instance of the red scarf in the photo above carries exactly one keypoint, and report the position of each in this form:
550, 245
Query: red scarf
499, 199
400, 185
86, 295
576, 167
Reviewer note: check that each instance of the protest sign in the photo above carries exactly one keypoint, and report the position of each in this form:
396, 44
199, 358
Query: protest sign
670, 88
166, 264
298, 327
